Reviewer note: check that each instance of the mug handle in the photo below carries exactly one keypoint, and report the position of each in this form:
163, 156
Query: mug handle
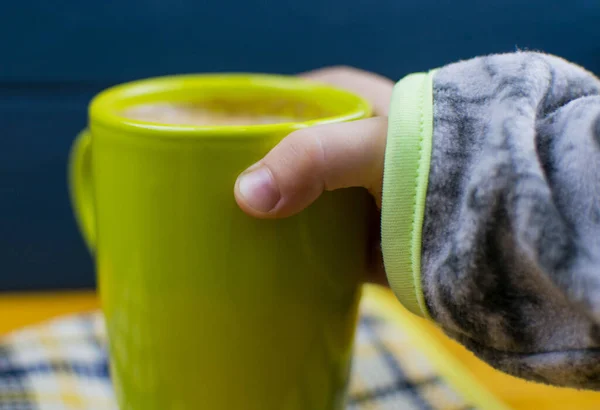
81, 188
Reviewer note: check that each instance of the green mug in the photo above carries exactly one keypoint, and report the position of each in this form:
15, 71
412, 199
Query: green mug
206, 307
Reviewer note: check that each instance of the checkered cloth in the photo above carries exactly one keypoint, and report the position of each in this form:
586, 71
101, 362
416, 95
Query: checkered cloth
62, 365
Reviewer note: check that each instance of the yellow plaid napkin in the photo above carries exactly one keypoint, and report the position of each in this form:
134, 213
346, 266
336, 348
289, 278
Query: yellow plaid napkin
62, 365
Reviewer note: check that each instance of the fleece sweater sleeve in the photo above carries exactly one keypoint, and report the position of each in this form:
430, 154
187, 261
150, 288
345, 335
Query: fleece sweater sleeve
491, 211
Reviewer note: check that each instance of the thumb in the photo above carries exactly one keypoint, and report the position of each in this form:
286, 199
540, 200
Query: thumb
309, 161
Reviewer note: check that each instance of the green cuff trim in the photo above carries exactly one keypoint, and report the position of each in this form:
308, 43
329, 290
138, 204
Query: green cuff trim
406, 174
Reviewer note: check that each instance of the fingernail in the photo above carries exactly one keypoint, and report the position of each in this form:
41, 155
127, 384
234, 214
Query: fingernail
258, 189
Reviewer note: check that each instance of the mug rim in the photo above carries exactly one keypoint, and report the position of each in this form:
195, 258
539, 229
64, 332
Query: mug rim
102, 109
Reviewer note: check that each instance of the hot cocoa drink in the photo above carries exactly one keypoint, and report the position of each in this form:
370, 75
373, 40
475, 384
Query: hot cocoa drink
201, 115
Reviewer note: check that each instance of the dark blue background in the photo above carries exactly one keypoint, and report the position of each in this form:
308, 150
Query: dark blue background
55, 55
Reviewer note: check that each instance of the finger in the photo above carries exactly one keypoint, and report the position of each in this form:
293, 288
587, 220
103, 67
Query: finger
374, 88
311, 160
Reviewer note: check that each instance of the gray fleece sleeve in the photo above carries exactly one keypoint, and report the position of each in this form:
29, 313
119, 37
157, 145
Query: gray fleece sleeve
511, 233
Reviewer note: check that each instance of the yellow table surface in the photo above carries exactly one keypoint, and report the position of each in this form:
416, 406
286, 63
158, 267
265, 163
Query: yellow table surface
18, 310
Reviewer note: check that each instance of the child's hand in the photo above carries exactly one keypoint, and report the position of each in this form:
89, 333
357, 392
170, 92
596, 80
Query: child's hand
327, 157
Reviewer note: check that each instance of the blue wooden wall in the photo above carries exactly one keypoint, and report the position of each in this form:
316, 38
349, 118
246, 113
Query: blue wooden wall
54, 55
